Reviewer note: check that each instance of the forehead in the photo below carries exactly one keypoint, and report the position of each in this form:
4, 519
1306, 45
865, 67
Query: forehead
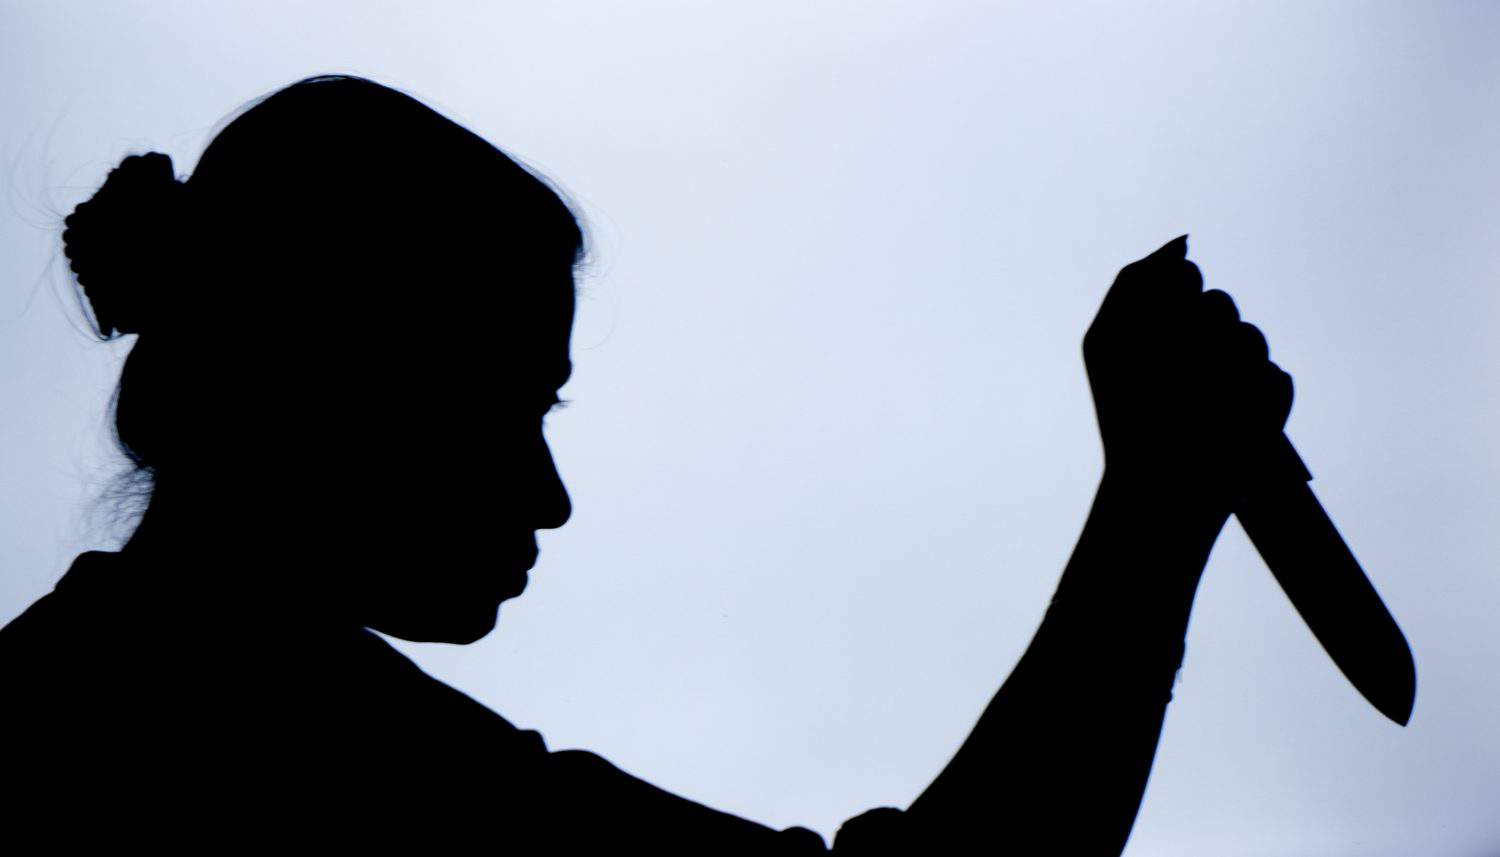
471, 296
531, 335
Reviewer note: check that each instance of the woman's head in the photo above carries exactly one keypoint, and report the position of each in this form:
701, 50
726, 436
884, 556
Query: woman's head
352, 318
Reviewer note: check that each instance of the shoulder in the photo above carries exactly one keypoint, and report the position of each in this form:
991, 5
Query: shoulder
48, 640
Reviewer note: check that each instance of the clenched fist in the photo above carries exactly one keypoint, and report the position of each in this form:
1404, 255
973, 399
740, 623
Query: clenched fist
1184, 390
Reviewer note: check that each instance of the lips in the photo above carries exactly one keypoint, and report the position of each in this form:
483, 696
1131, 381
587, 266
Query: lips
530, 556
514, 578
513, 585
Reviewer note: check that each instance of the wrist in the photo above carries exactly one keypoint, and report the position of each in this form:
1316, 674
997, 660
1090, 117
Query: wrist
1185, 494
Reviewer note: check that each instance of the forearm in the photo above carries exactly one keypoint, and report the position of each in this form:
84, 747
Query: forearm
1061, 755
1058, 762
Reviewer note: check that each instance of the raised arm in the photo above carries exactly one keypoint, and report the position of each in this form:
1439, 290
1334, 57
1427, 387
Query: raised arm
1187, 401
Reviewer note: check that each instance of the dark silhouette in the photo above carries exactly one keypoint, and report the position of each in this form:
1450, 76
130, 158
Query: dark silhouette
1324, 581
352, 319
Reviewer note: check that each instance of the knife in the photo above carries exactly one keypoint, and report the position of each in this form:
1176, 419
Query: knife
1320, 575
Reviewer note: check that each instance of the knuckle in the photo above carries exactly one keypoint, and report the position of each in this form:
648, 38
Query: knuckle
1254, 340
1193, 275
1219, 301
1139, 269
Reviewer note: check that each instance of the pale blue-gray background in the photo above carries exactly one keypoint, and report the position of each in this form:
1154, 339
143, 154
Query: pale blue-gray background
831, 440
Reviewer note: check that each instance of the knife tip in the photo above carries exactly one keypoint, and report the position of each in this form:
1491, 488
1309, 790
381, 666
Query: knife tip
1399, 705
1402, 718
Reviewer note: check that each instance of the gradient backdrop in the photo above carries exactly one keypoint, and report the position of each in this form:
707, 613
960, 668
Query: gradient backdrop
831, 440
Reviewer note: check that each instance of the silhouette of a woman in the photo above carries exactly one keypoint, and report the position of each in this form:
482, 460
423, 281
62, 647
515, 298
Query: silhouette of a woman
351, 320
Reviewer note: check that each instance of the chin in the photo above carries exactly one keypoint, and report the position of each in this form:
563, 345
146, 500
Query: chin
459, 627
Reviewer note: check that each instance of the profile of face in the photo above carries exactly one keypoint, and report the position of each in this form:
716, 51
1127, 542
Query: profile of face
429, 440
420, 467
345, 377
447, 532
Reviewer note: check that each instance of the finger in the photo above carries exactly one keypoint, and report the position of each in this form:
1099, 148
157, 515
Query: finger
1161, 263
1192, 278
1251, 342
1216, 308
1157, 283
1177, 285
1152, 263
1176, 249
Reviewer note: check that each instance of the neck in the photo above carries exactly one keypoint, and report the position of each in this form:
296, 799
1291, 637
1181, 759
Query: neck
206, 554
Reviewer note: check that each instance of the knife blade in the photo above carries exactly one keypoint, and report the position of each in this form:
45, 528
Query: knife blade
1318, 572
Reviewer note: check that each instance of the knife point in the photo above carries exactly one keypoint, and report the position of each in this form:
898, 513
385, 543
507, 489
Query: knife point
1400, 700
1401, 716
1327, 586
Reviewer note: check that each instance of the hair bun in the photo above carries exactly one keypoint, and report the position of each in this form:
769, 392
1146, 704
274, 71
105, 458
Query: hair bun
117, 242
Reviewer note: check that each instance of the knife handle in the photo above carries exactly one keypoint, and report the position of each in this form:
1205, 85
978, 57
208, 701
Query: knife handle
1271, 474
1289, 463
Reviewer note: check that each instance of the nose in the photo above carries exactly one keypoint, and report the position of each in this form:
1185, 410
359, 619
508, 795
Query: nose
553, 506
